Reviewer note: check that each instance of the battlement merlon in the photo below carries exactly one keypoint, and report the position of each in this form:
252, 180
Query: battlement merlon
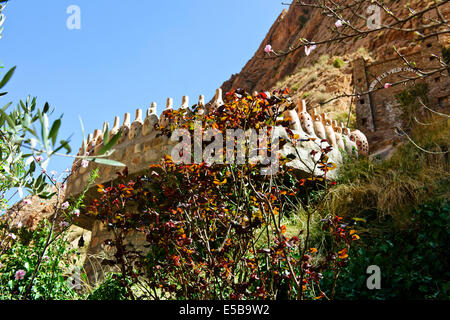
141, 143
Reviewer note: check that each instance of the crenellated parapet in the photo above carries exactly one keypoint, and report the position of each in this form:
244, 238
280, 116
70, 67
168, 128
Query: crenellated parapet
142, 143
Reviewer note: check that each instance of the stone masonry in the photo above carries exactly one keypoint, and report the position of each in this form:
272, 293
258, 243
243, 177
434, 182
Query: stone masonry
377, 113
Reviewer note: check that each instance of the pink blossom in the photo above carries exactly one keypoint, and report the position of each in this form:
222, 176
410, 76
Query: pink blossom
63, 224
63, 186
20, 274
308, 49
27, 202
53, 173
387, 85
268, 49
339, 23
65, 205
84, 163
76, 212
39, 158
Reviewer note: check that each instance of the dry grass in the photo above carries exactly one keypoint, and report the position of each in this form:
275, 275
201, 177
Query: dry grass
343, 117
397, 185
322, 80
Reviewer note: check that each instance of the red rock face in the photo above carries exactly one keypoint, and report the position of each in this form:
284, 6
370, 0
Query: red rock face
261, 73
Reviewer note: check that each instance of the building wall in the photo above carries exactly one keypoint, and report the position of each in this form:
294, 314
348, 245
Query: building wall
378, 113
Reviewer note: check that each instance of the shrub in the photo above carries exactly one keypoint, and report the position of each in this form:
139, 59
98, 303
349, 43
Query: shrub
413, 262
410, 103
338, 63
112, 288
396, 186
217, 231
23, 255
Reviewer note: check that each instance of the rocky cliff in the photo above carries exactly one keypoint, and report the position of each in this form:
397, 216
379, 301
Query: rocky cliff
263, 73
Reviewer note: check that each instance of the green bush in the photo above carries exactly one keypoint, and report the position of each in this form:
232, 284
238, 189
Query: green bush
50, 282
414, 262
409, 100
110, 289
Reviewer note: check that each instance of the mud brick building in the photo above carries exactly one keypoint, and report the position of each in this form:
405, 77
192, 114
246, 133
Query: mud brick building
378, 112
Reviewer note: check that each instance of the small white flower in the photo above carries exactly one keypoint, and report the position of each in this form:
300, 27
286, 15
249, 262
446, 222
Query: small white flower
12, 236
27, 202
308, 49
19, 225
76, 212
339, 23
53, 173
29, 161
84, 163
33, 143
20, 191
65, 205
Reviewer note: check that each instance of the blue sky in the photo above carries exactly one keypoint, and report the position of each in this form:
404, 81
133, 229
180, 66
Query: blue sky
126, 54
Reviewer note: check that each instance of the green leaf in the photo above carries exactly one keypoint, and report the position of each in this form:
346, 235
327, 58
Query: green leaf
46, 195
8, 119
65, 145
109, 162
84, 137
110, 143
106, 134
6, 106
46, 108
54, 130
44, 129
7, 76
